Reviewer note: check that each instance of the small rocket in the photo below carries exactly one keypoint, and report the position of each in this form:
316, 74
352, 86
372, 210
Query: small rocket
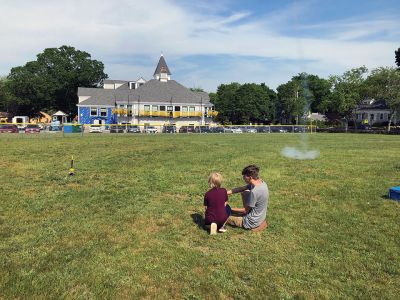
71, 169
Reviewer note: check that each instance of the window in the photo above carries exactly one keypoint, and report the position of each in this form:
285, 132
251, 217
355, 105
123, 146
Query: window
129, 110
147, 108
184, 108
372, 117
162, 107
93, 111
154, 108
191, 108
381, 116
103, 112
177, 108
132, 85
170, 108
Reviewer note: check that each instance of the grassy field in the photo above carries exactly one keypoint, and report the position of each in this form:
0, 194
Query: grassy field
128, 224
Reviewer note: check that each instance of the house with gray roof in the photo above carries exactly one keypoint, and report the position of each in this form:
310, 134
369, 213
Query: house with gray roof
373, 112
159, 101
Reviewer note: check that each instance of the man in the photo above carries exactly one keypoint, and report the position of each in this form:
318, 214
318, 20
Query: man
255, 201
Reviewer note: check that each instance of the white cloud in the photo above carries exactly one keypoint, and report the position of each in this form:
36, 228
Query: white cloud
125, 28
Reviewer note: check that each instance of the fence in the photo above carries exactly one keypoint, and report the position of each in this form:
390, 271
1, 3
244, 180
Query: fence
165, 128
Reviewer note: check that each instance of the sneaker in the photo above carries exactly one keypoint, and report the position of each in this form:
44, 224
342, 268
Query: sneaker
213, 228
222, 230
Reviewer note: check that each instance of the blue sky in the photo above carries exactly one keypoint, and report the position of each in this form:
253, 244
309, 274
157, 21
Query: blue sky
206, 43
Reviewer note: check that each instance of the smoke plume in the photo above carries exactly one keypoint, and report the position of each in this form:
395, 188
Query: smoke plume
295, 153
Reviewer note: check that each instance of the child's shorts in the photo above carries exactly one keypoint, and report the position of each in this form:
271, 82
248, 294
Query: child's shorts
228, 209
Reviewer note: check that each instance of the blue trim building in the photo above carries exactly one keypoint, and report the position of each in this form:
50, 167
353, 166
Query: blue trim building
159, 101
96, 115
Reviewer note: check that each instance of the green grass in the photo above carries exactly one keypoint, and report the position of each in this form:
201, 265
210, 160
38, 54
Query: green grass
127, 224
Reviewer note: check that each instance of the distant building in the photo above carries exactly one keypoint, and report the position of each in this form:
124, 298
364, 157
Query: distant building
60, 116
4, 117
158, 101
317, 117
372, 112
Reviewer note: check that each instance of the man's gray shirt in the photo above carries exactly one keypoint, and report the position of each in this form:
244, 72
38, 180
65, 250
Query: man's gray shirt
258, 204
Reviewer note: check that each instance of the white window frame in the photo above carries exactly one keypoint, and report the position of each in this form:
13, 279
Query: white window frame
103, 111
93, 111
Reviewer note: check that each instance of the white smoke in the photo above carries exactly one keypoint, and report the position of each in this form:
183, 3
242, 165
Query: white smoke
299, 154
303, 152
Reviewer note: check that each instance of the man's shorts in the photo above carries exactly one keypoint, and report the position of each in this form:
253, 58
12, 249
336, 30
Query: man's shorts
235, 221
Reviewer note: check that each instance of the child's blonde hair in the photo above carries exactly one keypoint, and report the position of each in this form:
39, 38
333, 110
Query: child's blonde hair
215, 180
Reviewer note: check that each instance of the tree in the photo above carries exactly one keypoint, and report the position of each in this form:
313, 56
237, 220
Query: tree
397, 53
292, 101
196, 89
51, 82
252, 104
244, 104
347, 92
271, 113
3, 95
224, 101
8, 102
384, 84
316, 91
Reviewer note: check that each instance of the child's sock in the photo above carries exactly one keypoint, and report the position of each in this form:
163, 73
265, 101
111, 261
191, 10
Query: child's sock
222, 229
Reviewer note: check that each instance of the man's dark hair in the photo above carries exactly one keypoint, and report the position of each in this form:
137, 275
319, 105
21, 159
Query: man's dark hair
251, 171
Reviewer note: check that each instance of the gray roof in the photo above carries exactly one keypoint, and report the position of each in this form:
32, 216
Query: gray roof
108, 81
124, 83
152, 91
162, 65
98, 96
375, 105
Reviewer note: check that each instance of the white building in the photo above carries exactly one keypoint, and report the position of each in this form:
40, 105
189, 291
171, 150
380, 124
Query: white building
372, 112
159, 101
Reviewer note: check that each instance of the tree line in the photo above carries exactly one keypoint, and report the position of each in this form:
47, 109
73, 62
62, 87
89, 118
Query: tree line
336, 96
51, 81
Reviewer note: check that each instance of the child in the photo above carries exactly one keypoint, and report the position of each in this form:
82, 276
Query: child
215, 202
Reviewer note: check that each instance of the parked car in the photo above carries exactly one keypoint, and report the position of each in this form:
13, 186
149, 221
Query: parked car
7, 128
202, 129
150, 129
32, 128
117, 129
299, 129
263, 129
133, 129
233, 130
186, 129
249, 129
218, 129
280, 129
95, 128
364, 127
169, 129
20, 121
